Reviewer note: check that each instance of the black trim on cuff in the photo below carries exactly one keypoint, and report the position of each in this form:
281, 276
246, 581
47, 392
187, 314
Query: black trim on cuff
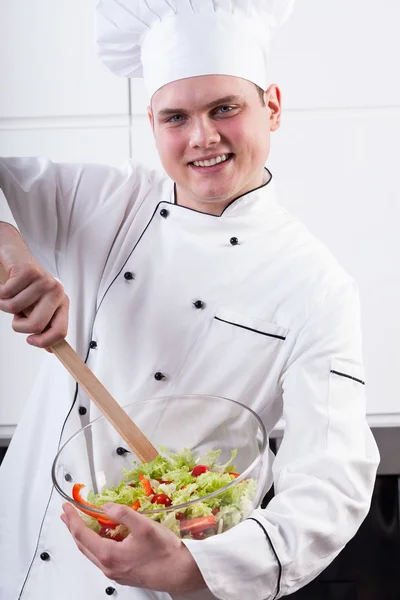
274, 551
348, 376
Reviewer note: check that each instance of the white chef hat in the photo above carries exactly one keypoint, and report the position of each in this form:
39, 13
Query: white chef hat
166, 40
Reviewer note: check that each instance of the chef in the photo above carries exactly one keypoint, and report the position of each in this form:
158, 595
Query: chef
189, 281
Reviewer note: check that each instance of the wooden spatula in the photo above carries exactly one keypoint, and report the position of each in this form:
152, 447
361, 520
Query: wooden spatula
118, 418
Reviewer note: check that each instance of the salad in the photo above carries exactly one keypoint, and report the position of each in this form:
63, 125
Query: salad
171, 480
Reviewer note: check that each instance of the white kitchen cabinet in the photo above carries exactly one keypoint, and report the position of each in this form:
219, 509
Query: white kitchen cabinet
333, 161
339, 176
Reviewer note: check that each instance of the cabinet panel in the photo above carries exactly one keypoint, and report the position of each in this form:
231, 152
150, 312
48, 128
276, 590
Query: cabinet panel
102, 145
338, 53
49, 65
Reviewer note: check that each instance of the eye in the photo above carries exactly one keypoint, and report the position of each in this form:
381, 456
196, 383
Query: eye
225, 109
176, 119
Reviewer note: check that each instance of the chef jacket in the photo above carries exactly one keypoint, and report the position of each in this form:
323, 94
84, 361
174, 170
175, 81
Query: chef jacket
247, 305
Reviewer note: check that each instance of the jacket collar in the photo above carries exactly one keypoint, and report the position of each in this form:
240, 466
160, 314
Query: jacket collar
250, 203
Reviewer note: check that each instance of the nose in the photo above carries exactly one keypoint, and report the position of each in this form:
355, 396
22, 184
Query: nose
203, 133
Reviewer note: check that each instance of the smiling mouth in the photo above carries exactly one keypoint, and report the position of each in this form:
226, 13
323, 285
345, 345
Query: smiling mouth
203, 164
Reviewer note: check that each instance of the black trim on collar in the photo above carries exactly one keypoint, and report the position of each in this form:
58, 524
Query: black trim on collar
100, 301
230, 203
275, 554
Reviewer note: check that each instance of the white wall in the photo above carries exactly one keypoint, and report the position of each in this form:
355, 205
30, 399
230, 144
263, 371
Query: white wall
333, 160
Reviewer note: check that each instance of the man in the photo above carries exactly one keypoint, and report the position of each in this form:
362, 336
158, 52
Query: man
193, 283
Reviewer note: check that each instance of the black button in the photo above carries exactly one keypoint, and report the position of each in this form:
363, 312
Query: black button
199, 304
129, 276
45, 556
164, 213
93, 344
121, 451
159, 376
82, 410
67, 477
110, 591
234, 241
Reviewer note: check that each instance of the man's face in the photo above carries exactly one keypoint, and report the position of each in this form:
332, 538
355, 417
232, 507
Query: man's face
208, 118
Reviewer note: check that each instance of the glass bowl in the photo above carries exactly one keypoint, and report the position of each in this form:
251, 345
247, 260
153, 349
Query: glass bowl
195, 503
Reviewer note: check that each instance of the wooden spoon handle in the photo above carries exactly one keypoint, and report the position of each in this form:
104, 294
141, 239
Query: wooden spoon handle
118, 418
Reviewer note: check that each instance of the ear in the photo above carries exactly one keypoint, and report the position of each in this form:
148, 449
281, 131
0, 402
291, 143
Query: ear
273, 101
150, 116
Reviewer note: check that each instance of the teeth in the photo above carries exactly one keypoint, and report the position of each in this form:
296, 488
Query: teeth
211, 162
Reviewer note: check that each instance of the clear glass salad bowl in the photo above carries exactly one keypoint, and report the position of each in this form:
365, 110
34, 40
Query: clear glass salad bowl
208, 477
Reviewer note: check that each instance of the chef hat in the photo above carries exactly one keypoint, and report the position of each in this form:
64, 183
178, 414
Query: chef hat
166, 40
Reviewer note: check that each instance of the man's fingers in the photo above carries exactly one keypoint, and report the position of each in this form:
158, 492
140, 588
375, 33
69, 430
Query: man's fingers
81, 547
40, 317
102, 551
36, 299
56, 331
135, 522
23, 300
18, 282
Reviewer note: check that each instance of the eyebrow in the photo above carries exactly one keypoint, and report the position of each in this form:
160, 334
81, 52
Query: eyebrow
166, 112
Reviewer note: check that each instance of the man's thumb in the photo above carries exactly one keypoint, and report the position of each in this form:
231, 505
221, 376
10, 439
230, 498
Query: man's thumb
119, 513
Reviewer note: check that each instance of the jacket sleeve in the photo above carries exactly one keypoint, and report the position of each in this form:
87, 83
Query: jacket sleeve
324, 471
50, 202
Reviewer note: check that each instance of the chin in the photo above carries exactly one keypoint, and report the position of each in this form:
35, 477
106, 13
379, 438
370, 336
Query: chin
216, 195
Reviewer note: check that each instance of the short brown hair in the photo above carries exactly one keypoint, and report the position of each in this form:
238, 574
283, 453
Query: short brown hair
261, 94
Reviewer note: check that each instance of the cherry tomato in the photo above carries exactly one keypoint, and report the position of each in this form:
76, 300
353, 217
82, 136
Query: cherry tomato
161, 499
199, 470
106, 532
116, 538
180, 516
198, 536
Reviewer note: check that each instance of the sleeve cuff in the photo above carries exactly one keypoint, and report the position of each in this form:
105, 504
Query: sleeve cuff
240, 563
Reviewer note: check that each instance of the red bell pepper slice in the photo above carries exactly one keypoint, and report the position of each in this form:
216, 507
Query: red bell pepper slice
76, 494
148, 490
107, 524
197, 525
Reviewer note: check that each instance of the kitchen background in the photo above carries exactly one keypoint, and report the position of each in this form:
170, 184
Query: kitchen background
335, 165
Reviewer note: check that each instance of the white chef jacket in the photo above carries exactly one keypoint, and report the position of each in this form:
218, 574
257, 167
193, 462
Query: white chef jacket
279, 331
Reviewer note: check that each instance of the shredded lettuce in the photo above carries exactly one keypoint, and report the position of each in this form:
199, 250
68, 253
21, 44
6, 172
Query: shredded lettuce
92, 523
170, 474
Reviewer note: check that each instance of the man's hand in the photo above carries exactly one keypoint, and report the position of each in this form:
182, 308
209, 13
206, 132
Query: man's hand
31, 288
151, 557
